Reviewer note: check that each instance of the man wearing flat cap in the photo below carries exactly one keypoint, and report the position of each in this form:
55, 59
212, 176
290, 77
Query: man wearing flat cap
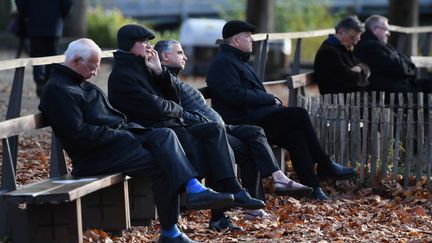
146, 93
336, 69
240, 98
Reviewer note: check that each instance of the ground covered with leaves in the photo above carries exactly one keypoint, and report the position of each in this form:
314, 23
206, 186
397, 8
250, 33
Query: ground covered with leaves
378, 212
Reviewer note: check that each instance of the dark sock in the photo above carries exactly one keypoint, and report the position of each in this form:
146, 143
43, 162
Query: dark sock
217, 214
231, 185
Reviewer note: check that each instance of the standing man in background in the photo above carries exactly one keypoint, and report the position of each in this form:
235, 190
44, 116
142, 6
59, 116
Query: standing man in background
44, 28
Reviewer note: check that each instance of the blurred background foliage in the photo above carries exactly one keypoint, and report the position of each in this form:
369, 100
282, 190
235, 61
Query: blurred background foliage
104, 24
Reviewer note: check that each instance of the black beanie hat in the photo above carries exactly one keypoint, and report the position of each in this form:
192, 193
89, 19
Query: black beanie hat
128, 34
234, 27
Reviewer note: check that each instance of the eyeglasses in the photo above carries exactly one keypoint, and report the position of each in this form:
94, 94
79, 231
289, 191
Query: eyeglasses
383, 28
93, 68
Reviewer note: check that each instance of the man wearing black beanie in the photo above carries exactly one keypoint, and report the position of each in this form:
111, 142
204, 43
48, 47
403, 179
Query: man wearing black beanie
240, 98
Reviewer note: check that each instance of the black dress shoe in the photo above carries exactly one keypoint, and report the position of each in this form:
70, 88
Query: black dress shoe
209, 199
335, 171
319, 194
182, 238
244, 200
224, 224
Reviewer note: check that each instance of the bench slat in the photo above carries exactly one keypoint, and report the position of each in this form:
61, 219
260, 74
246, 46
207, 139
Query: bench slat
18, 125
62, 188
300, 80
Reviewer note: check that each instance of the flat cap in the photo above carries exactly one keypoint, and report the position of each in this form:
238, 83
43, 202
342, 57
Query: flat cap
234, 27
128, 34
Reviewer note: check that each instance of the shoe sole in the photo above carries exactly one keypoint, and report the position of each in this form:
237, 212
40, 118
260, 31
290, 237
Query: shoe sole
294, 193
250, 207
339, 178
225, 203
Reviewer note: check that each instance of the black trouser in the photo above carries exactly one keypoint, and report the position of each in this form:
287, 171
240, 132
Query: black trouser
253, 155
169, 168
43, 46
207, 148
292, 129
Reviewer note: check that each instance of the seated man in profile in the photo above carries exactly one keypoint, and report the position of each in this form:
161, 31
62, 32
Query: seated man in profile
145, 92
252, 152
391, 70
100, 140
336, 70
240, 98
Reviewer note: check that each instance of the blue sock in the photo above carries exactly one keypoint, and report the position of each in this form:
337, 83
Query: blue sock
194, 186
171, 233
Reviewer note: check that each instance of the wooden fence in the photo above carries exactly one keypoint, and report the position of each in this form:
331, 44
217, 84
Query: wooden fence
378, 135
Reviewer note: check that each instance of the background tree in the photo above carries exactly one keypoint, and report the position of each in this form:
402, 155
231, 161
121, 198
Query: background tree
75, 23
261, 14
5, 11
405, 13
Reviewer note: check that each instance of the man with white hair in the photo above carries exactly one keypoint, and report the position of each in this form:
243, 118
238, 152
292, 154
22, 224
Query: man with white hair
391, 71
100, 140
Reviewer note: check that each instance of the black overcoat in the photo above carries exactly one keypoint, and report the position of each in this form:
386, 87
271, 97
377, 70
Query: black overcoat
237, 92
390, 70
332, 69
92, 132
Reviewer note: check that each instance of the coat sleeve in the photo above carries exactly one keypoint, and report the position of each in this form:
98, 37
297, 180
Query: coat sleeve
137, 99
386, 59
332, 67
64, 113
22, 7
225, 83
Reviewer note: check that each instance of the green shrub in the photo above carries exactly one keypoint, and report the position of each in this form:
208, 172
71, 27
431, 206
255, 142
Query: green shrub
103, 26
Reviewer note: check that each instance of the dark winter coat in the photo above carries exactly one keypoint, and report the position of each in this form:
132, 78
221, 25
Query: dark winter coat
390, 70
332, 69
237, 93
93, 133
195, 108
144, 98
44, 16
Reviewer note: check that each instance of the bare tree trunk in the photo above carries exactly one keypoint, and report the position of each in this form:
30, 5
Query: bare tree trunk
404, 13
261, 14
75, 23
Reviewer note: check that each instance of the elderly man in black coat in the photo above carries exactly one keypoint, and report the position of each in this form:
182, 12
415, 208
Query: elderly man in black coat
240, 98
100, 140
336, 69
391, 70
139, 87
44, 20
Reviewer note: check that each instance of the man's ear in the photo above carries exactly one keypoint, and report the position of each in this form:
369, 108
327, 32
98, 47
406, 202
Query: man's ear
76, 61
164, 56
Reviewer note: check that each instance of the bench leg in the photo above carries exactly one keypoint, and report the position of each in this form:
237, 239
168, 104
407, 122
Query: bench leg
55, 222
106, 209
279, 153
142, 204
13, 223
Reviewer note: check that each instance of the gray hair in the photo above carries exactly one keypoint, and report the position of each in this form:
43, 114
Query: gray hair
165, 46
81, 48
374, 21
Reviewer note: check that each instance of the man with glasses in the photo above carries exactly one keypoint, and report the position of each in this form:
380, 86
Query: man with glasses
336, 70
390, 70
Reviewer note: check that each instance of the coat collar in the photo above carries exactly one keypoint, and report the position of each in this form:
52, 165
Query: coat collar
243, 56
173, 70
71, 74
369, 35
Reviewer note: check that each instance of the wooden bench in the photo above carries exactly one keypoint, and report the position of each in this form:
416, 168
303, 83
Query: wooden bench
59, 208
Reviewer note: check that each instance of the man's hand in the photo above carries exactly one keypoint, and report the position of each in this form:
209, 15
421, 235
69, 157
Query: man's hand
152, 61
